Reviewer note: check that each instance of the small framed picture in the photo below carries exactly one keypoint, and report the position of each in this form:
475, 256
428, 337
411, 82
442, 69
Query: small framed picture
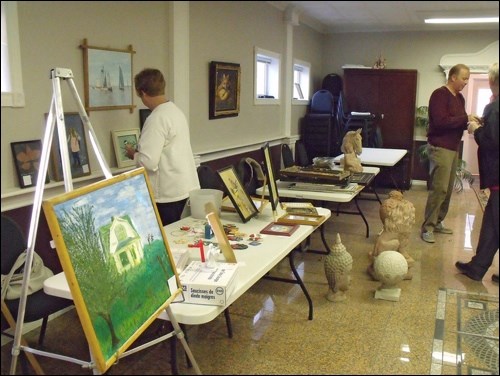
77, 148
271, 180
241, 200
299, 208
275, 228
301, 219
122, 139
27, 161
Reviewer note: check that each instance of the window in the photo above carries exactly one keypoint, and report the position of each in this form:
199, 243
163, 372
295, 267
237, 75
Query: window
301, 80
267, 76
12, 83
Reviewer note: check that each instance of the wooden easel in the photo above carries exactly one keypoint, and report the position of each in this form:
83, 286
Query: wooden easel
56, 113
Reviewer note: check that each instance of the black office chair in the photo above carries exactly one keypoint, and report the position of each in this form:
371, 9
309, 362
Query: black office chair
39, 305
287, 156
301, 157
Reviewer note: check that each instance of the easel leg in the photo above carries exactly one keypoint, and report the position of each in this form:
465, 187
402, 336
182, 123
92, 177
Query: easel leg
182, 339
31, 358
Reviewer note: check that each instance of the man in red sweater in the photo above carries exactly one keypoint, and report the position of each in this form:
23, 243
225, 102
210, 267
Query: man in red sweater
447, 122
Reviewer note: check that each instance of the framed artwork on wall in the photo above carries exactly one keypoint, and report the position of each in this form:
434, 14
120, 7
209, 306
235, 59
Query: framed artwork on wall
241, 200
121, 140
116, 258
108, 81
224, 90
77, 148
27, 161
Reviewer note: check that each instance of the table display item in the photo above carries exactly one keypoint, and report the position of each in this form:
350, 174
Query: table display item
352, 146
312, 174
299, 208
301, 219
390, 268
275, 228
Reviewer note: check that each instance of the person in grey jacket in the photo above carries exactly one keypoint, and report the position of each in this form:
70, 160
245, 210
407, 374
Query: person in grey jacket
487, 138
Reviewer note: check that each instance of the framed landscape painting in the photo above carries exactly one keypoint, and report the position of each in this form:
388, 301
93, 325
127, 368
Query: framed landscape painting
116, 258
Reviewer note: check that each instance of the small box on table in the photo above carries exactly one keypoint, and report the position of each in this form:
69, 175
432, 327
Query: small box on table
211, 286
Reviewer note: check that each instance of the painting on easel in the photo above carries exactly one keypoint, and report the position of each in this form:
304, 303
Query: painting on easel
116, 258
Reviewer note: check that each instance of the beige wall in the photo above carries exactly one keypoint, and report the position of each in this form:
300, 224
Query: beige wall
51, 32
406, 50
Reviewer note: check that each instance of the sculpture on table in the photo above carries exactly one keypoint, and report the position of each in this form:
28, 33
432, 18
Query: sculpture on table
390, 268
338, 265
398, 216
352, 146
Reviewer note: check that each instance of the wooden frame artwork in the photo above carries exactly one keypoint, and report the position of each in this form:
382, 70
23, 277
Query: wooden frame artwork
275, 228
271, 181
116, 258
224, 90
27, 161
108, 78
301, 219
241, 200
121, 139
77, 148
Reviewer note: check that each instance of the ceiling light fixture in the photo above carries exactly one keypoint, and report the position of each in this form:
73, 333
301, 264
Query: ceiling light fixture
461, 20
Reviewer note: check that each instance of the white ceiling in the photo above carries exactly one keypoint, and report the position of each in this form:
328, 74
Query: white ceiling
376, 16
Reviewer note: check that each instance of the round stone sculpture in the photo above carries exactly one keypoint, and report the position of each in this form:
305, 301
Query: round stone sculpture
390, 268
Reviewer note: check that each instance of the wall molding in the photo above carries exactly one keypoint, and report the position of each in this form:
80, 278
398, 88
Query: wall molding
478, 62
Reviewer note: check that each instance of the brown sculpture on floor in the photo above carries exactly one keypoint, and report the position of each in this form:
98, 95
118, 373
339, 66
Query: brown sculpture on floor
352, 146
397, 216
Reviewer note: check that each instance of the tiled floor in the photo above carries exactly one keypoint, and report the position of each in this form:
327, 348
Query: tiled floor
426, 332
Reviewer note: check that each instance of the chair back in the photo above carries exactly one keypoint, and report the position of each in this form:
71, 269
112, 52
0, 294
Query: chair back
208, 178
287, 156
322, 102
13, 243
301, 157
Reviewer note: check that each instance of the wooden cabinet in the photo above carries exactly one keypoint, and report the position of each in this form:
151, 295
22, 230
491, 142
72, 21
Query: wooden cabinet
390, 94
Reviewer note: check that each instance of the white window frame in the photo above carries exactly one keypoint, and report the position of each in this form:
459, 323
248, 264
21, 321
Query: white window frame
273, 76
303, 69
15, 96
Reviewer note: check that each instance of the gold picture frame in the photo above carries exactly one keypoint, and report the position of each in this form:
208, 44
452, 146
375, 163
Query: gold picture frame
108, 81
224, 90
301, 219
239, 197
271, 180
116, 258
122, 138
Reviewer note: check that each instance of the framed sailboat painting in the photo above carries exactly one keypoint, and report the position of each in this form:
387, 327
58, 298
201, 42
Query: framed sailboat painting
108, 78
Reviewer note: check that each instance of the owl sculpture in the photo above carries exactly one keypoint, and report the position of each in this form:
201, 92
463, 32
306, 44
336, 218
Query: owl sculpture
338, 265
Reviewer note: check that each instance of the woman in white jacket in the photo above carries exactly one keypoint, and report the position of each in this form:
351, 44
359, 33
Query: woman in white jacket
164, 147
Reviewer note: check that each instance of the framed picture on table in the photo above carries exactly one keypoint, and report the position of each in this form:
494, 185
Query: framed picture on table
275, 228
301, 219
271, 180
239, 197
116, 258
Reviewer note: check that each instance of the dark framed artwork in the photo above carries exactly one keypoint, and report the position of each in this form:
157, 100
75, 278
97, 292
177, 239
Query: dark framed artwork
116, 258
108, 81
283, 229
271, 180
143, 115
27, 161
239, 197
77, 148
224, 90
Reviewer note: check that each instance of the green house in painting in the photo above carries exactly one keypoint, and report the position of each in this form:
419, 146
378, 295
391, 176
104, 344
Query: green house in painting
121, 241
